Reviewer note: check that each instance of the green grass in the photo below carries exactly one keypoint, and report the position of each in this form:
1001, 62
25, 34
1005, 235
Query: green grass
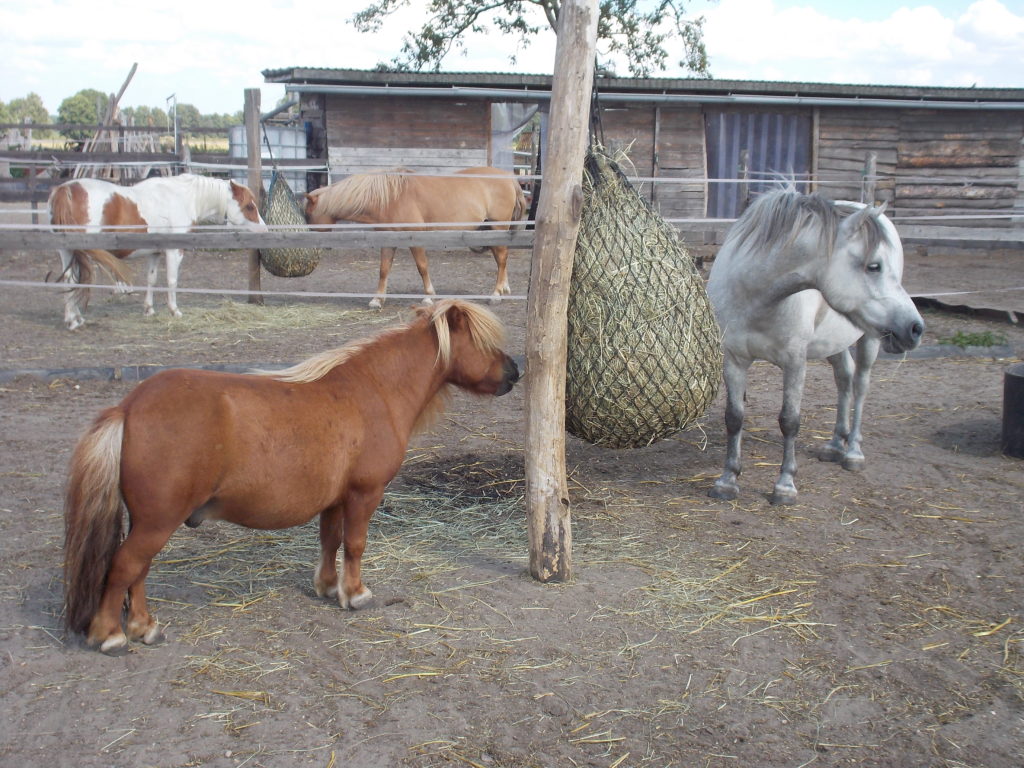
973, 339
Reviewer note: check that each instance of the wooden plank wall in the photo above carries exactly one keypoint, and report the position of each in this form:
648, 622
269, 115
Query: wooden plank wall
845, 137
422, 133
681, 153
958, 163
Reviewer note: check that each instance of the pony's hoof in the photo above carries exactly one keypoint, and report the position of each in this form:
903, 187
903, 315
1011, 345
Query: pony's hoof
782, 497
375, 303
724, 491
831, 453
154, 636
149, 312
176, 313
115, 645
853, 463
427, 301
357, 601
74, 325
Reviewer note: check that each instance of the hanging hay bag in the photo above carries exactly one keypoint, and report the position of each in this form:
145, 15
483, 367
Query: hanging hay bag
644, 352
281, 208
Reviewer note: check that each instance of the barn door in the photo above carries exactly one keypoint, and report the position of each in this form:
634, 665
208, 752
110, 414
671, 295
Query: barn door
774, 143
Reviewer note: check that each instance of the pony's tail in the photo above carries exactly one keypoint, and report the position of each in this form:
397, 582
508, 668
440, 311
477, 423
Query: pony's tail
520, 209
80, 270
93, 517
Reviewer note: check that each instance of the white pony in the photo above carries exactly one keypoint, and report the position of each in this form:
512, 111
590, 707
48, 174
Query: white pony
799, 277
159, 204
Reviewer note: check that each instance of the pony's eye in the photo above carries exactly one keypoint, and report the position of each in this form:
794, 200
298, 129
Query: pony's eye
874, 266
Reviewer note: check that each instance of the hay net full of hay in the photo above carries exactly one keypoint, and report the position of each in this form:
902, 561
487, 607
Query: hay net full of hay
282, 209
644, 352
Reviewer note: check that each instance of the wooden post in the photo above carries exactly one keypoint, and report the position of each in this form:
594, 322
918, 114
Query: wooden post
557, 224
255, 181
743, 173
870, 178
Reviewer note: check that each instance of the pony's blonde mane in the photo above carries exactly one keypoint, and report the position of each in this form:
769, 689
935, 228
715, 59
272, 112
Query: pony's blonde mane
485, 330
362, 192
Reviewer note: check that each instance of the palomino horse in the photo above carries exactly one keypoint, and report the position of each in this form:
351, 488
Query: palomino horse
264, 451
802, 277
399, 196
159, 204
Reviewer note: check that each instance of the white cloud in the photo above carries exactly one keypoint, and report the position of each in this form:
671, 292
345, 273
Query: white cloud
208, 53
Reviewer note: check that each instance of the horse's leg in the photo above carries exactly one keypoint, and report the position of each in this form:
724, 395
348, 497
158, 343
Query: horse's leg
789, 422
419, 255
130, 565
141, 625
865, 353
174, 257
735, 375
151, 274
387, 258
69, 274
325, 578
359, 507
501, 283
842, 371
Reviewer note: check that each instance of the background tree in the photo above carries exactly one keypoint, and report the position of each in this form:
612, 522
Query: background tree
640, 33
32, 108
84, 108
5, 114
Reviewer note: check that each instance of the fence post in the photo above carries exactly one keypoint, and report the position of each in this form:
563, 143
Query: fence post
743, 173
557, 224
870, 178
255, 181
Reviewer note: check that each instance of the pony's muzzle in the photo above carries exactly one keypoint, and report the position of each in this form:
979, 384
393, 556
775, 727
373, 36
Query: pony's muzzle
903, 338
510, 375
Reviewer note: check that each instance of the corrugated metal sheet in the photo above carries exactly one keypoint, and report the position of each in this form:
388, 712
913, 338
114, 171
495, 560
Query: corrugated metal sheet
778, 144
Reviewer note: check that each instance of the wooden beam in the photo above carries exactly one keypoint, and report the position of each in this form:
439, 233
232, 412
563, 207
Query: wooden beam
558, 220
253, 141
226, 240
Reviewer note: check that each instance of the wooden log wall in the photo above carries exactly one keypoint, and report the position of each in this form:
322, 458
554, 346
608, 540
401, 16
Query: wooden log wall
845, 137
958, 163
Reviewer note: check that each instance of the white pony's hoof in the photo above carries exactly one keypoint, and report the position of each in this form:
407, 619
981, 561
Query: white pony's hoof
176, 312
74, 325
853, 463
724, 491
148, 312
427, 301
356, 601
495, 298
375, 303
783, 497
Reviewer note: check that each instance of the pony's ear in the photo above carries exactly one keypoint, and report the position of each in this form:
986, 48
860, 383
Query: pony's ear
457, 319
856, 220
878, 210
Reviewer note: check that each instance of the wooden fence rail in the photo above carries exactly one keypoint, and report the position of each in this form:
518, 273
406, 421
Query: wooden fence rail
37, 240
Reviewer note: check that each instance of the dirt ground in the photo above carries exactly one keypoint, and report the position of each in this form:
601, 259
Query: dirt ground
875, 623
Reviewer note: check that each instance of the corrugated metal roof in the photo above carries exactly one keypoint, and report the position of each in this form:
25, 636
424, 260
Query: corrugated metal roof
652, 85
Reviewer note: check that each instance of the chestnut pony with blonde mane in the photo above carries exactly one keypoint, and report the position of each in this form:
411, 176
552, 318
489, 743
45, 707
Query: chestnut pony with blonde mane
159, 204
266, 451
400, 196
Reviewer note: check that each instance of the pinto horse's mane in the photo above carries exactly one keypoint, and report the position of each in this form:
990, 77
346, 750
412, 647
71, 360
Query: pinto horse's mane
776, 218
368, 192
485, 329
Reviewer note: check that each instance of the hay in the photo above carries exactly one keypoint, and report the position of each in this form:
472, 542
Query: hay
644, 356
281, 209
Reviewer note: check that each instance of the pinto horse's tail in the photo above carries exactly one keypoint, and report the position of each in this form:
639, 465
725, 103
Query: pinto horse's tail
62, 214
93, 517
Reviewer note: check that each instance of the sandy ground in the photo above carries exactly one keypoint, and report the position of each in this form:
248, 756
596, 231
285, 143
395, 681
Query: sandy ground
875, 623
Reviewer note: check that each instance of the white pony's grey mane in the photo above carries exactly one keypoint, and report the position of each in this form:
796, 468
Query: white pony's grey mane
777, 217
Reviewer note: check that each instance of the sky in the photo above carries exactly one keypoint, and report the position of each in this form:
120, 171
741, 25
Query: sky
207, 53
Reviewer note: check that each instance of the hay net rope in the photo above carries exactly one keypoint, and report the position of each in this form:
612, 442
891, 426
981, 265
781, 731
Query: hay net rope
644, 352
282, 208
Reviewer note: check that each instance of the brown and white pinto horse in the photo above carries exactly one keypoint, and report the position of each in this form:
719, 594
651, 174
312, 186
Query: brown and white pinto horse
265, 451
159, 204
400, 196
